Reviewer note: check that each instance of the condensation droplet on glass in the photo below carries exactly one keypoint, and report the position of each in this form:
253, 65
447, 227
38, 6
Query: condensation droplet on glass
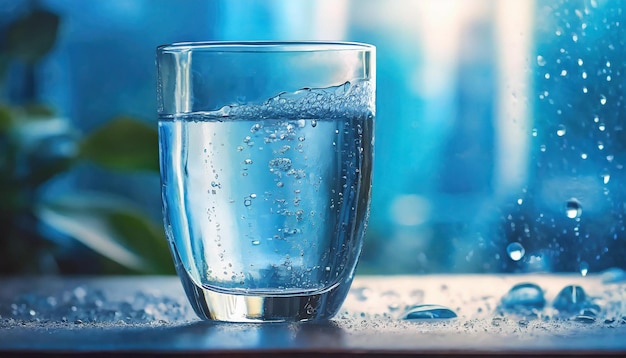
561, 130
606, 177
584, 268
573, 209
516, 251
541, 61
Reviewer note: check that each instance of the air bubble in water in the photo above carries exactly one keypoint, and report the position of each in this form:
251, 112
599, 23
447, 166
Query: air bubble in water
313, 123
573, 209
602, 100
255, 242
282, 164
516, 251
561, 130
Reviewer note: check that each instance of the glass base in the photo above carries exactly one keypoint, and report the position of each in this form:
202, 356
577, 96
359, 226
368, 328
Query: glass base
219, 306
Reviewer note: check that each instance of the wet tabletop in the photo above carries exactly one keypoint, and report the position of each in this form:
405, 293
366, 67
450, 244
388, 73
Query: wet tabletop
471, 314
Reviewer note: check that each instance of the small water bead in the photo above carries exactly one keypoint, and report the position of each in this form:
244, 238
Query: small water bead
516, 251
573, 208
426, 311
541, 61
584, 268
561, 130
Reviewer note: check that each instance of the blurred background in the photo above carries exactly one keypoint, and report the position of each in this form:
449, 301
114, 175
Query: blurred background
499, 134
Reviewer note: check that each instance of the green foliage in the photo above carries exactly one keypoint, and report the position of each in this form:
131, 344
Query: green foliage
36, 146
33, 36
122, 144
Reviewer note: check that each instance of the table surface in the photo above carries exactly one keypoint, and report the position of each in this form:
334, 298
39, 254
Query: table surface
103, 315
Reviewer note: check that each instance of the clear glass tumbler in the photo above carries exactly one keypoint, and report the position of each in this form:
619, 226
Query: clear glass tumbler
266, 155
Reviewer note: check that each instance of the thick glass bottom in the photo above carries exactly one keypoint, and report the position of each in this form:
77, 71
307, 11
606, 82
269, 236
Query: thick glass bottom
219, 306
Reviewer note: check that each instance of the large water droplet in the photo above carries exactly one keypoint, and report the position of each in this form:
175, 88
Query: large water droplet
516, 251
429, 312
570, 299
573, 209
613, 275
524, 296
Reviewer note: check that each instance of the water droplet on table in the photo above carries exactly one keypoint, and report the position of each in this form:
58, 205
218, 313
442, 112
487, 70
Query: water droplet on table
429, 312
571, 298
524, 296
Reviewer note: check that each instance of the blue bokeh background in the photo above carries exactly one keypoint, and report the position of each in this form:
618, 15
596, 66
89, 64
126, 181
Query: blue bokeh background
460, 104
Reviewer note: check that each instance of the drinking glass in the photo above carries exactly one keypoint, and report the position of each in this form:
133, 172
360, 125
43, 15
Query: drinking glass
266, 155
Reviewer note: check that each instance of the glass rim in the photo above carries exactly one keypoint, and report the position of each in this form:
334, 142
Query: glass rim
265, 46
